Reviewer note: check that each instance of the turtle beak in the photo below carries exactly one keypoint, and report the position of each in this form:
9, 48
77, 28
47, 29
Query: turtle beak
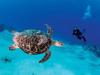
59, 44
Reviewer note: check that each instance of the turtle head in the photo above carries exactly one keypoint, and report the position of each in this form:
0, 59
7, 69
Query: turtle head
58, 43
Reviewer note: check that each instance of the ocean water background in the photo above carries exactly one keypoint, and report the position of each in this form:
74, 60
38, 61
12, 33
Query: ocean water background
62, 15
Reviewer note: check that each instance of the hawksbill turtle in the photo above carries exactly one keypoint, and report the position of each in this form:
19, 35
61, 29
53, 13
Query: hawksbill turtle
34, 42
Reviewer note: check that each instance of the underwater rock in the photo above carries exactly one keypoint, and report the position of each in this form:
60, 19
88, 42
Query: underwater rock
2, 28
6, 27
6, 59
95, 50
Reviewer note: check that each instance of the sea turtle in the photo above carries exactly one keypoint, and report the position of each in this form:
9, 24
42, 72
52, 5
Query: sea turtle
34, 42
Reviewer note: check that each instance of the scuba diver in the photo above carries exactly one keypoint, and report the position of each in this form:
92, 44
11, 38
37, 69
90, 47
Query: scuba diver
78, 34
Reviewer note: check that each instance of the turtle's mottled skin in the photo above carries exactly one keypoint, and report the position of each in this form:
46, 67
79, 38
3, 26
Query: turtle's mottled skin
34, 42
29, 41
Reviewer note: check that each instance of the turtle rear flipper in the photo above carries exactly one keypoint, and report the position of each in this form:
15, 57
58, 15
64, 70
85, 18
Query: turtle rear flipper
46, 57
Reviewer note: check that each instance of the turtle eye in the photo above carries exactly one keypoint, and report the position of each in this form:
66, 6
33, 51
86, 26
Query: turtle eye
61, 43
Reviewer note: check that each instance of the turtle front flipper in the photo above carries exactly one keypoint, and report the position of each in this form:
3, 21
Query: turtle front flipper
46, 57
49, 30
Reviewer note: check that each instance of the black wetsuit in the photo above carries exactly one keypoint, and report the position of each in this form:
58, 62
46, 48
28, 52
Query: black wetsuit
79, 35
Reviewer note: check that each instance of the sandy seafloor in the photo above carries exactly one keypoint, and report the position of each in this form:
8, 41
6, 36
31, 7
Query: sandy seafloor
67, 60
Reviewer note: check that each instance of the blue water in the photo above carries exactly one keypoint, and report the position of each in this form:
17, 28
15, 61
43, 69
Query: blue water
74, 58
